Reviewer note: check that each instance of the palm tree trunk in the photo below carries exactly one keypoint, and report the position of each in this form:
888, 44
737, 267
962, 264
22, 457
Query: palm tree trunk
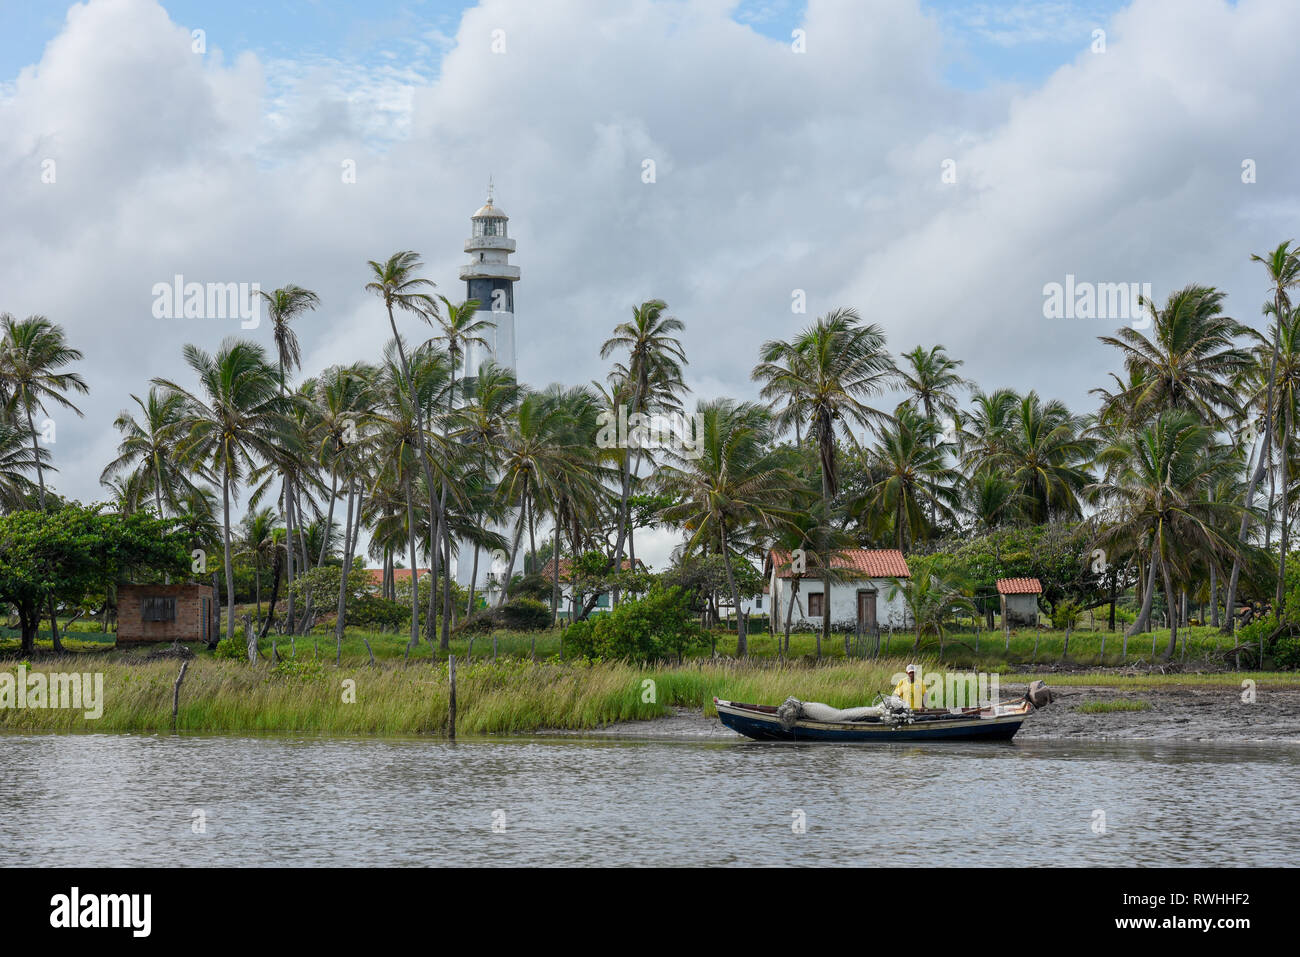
1286, 509
415, 568
789, 611
1214, 596
341, 608
742, 638
286, 488
555, 585
1148, 593
230, 568
1230, 599
473, 578
1171, 605
514, 547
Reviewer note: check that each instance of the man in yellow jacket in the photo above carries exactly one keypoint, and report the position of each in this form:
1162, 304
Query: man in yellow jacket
911, 691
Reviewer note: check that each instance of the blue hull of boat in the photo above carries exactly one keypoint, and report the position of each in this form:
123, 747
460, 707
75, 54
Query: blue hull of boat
1002, 729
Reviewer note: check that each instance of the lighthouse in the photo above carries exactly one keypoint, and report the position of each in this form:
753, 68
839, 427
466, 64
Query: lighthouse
490, 278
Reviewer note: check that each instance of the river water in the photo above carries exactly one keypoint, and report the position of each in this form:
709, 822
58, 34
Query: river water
99, 800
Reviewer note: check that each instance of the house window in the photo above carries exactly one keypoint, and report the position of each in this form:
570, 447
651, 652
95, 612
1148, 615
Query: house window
815, 607
158, 609
758, 602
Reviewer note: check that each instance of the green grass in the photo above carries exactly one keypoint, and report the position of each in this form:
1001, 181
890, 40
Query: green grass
511, 695
514, 693
1104, 707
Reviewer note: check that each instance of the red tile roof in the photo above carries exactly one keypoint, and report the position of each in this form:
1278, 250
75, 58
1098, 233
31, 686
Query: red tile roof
869, 562
1020, 586
399, 574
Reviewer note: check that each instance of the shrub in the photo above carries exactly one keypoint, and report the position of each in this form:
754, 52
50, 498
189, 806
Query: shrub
1286, 653
235, 649
517, 614
658, 626
375, 612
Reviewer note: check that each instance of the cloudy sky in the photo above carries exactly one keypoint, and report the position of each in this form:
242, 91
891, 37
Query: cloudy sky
934, 164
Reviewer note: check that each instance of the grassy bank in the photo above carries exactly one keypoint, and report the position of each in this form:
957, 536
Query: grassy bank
511, 695
508, 696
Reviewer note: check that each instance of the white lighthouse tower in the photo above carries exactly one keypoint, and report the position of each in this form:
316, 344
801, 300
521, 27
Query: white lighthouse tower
490, 278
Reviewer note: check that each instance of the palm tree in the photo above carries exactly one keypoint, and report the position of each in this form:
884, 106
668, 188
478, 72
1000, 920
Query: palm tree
1040, 447
541, 452
654, 354
284, 305
911, 482
17, 461
1188, 362
147, 452
397, 450
258, 541
237, 420
823, 378
1283, 265
395, 282
32, 351
460, 329
1158, 496
932, 380
735, 482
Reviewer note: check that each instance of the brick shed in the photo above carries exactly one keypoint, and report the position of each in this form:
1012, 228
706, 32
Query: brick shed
149, 613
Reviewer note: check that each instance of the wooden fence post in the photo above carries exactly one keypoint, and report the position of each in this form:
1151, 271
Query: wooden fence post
176, 692
451, 703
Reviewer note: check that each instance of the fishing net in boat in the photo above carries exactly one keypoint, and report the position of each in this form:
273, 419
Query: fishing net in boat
891, 711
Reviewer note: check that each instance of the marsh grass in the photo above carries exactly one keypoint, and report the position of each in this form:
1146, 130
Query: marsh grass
1104, 707
511, 695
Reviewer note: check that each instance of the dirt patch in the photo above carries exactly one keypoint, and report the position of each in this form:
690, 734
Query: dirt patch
1206, 713
1211, 713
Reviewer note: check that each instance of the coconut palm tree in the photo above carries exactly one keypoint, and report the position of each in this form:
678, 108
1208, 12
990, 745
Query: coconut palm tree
396, 448
1283, 265
18, 460
396, 284
32, 351
1188, 362
284, 305
735, 482
655, 355
1041, 447
147, 452
540, 452
237, 420
823, 379
257, 540
912, 483
932, 381
1157, 495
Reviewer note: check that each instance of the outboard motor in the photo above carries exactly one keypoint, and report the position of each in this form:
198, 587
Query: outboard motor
1038, 694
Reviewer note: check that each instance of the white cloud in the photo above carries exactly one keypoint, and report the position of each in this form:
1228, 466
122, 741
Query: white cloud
776, 171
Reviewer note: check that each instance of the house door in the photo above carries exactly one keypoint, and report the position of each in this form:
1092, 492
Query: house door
867, 610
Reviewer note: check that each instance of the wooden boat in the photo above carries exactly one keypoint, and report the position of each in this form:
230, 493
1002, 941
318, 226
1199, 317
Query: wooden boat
760, 721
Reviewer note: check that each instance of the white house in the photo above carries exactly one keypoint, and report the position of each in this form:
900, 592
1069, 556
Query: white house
861, 598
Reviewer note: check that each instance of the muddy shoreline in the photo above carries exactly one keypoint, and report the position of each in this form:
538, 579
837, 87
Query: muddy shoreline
1191, 714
